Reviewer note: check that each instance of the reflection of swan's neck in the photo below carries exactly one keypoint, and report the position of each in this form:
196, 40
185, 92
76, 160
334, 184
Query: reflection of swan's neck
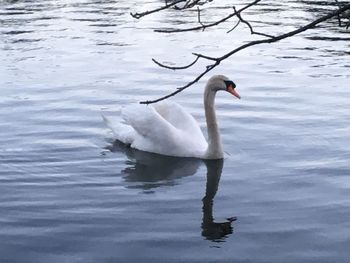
214, 169
214, 150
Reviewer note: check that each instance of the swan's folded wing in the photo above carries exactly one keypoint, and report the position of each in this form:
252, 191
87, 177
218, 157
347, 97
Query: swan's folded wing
122, 132
177, 116
149, 124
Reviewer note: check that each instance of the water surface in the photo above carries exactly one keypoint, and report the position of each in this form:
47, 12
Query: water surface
70, 194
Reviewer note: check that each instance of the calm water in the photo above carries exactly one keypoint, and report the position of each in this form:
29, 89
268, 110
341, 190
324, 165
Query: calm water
68, 194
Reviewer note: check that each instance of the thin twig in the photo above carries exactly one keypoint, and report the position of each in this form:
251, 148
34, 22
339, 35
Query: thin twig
202, 27
178, 90
198, 56
139, 15
199, 17
338, 16
188, 4
206, 57
250, 26
234, 27
175, 68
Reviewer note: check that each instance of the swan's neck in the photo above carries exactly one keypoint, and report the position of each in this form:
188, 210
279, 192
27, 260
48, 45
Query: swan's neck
214, 150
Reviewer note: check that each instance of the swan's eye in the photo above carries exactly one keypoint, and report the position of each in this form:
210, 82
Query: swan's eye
229, 83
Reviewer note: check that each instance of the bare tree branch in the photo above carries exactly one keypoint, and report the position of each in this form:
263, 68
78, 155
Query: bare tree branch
339, 11
343, 15
338, 16
188, 4
199, 17
234, 27
178, 90
198, 56
192, 3
176, 68
206, 57
145, 13
204, 26
250, 26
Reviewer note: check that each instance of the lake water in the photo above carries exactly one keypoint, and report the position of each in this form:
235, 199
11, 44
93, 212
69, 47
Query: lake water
69, 194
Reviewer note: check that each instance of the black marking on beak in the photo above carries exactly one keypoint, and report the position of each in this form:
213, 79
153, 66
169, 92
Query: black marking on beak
229, 83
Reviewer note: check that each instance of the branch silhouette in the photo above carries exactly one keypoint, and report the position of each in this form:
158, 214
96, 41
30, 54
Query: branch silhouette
342, 11
205, 26
187, 4
145, 13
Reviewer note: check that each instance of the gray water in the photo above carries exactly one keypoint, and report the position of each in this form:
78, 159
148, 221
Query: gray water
71, 194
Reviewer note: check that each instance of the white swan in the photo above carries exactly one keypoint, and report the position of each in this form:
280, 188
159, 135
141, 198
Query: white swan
166, 128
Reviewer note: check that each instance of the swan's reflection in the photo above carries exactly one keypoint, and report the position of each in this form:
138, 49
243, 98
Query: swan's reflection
153, 170
149, 170
212, 230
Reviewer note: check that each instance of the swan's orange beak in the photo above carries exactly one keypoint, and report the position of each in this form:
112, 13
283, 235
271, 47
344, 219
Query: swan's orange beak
233, 91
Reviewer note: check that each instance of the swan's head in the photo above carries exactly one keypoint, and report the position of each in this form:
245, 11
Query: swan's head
220, 82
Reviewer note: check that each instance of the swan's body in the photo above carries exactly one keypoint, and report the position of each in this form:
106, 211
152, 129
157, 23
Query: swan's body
166, 128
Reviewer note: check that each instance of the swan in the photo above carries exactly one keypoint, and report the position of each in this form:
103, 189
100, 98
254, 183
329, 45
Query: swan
168, 129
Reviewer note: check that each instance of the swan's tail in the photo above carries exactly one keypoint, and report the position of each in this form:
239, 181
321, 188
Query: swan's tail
122, 132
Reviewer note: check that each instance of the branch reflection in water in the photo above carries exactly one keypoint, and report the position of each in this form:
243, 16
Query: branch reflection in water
149, 170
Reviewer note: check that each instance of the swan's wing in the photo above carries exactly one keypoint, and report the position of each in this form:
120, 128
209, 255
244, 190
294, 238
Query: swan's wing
149, 124
177, 116
165, 130
122, 132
